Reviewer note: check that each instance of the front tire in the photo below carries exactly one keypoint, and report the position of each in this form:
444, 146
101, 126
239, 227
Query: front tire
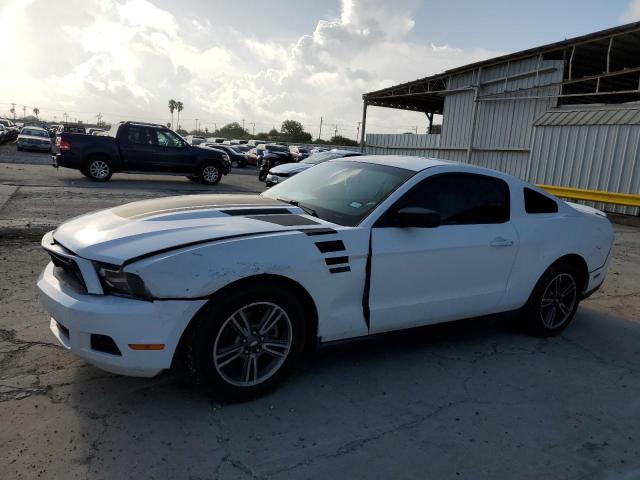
99, 170
210, 174
554, 300
246, 343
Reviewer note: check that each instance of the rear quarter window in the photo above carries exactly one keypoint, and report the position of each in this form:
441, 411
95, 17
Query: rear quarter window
535, 202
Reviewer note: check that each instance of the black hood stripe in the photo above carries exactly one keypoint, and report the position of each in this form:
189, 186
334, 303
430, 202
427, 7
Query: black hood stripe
199, 242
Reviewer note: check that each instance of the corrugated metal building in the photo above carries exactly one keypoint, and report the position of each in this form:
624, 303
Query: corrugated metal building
562, 114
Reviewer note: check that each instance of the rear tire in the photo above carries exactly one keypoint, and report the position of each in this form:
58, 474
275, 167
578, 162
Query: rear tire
245, 343
209, 173
99, 169
554, 300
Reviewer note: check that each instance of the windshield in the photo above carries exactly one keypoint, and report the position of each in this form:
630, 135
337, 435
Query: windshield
317, 158
342, 192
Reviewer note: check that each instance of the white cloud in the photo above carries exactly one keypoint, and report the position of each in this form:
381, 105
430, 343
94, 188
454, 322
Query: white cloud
633, 12
126, 58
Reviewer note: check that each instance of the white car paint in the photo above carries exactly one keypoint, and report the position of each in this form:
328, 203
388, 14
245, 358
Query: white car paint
187, 248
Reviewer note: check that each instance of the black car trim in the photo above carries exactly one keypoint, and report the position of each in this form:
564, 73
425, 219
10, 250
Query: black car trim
331, 246
319, 231
340, 269
286, 220
336, 260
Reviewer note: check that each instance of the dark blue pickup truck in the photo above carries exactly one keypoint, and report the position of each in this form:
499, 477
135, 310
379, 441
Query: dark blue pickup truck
133, 147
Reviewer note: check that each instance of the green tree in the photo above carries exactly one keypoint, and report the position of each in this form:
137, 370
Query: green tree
231, 130
340, 140
172, 107
293, 131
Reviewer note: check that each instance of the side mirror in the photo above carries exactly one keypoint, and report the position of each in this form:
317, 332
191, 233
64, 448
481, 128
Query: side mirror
416, 217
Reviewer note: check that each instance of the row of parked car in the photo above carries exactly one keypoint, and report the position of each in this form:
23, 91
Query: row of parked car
38, 136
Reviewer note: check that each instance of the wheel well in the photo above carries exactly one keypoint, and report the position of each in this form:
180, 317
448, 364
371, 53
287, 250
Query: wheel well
578, 262
287, 284
216, 161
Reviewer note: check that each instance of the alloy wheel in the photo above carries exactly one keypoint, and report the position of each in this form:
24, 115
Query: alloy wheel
252, 344
210, 174
99, 169
558, 301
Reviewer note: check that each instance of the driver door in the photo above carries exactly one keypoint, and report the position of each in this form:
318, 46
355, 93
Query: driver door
456, 270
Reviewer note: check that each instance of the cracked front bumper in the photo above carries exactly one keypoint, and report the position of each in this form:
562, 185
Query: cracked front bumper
75, 317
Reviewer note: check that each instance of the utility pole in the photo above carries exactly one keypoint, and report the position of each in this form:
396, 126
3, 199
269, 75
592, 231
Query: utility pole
99, 117
320, 132
196, 126
358, 131
253, 128
335, 132
416, 129
243, 124
24, 111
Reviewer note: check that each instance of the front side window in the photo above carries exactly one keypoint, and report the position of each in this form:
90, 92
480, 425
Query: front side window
341, 192
168, 139
461, 198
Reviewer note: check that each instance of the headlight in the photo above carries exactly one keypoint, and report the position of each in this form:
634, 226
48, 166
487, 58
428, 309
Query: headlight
117, 282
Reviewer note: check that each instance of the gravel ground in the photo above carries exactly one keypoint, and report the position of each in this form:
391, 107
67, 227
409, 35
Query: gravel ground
468, 400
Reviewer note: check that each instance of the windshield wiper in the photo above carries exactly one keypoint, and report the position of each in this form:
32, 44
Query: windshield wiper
295, 203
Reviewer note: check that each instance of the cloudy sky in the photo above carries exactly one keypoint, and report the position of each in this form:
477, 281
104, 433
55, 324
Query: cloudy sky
262, 61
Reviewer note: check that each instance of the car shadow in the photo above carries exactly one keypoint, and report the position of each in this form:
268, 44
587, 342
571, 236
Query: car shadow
482, 368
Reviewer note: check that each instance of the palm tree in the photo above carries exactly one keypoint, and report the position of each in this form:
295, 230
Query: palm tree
36, 111
13, 112
172, 107
179, 108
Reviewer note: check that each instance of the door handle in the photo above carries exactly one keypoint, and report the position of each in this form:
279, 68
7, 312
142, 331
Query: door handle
501, 242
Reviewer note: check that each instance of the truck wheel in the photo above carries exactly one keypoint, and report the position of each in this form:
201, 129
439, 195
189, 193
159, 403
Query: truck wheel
247, 343
99, 170
209, 173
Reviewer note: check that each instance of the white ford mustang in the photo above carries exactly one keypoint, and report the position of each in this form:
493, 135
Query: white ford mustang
240, 287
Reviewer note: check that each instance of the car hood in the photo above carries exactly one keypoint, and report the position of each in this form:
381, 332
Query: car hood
122, 234
290, 168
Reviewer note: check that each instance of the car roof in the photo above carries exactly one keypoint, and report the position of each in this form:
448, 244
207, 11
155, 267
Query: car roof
29, 127
407, 162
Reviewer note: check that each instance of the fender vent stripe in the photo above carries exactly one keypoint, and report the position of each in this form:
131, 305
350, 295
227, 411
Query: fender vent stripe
319, 231
340, 269
336, 260
331, 246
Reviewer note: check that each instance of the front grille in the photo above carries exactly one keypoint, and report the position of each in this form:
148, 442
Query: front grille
67, 270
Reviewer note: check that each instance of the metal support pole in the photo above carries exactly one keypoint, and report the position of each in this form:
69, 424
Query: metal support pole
474, 116
609, 54
430, 118
573, 51
364, 125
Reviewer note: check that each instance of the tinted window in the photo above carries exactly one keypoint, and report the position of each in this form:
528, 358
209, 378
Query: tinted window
462, 199
535, 202
138, 136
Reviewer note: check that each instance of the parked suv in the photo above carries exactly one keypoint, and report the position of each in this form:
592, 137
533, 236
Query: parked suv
133, 147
